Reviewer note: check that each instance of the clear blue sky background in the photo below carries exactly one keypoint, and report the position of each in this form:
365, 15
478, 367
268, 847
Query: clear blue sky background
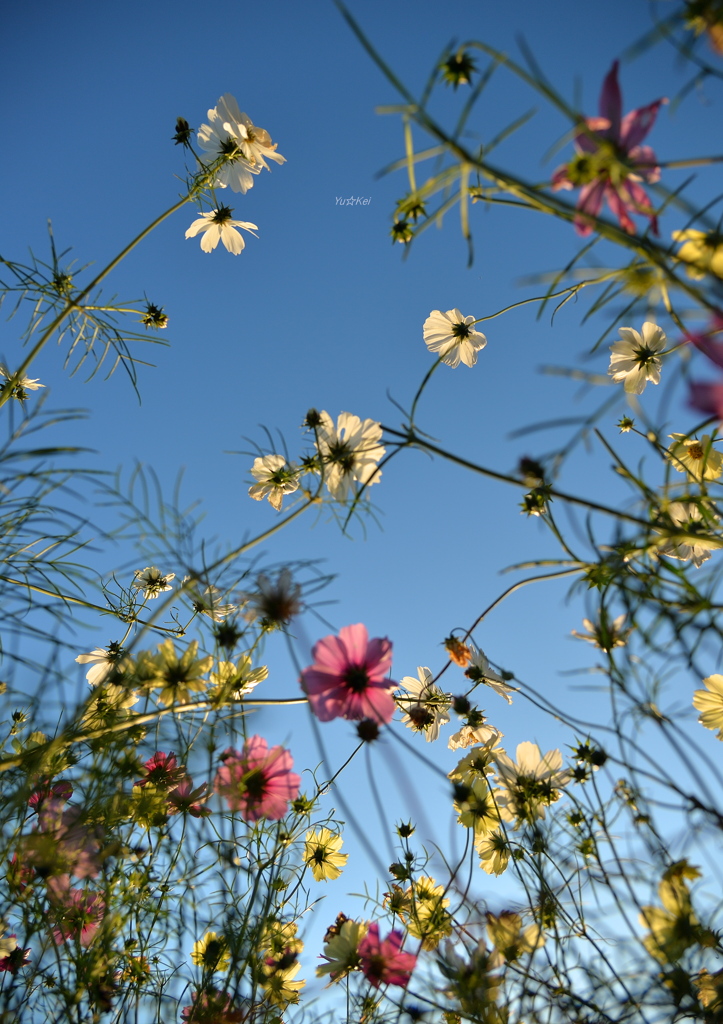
323, 311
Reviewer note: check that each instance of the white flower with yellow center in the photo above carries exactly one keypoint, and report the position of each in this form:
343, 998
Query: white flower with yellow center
152, 581
453, 337
634, 360
349, 452
426, 707
245, 147
696, 457
275, 477
219, 226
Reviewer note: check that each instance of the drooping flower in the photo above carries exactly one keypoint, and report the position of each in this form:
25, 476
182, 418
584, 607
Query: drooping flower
479, 671
349, 677
710, 703
383, 962
702, 251
696, 457
219, 226
635, 359
211, 952
210, 603
529, 785
77, 914
152, 581
349, 452
610, 163
341, 948
474, 732
232, 135
453, 337
275, 601
426, 707
258, 782
275, 477
458, 651
321, 853
699, 540
103, 661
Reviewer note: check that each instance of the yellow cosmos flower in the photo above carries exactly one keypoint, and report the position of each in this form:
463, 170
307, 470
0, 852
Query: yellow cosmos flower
494, 852
177, 677
476, 807
710, 703
696, 457
321, 853
509, 938
211, 952
703, 251
341, 949
279, 986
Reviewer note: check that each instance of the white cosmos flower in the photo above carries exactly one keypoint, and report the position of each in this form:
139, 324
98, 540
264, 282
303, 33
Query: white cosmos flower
209, 603
24, 382
276, 477
530, 784
634, 360
470, 735
694, 549
219, 226
479, 671
350, 452
425, 709
232, 134
453, 337
152, 581
102, 661
698, 457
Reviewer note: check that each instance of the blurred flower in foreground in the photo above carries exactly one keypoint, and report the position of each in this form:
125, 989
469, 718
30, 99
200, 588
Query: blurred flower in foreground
102, 661
276, 601
78, 914
710, 703
258, 782
425, 709
321, 853
689, 548
349, 677
232, 134
610, 162
382, 960
219, 226
605, 635
341, 948
634, 359
212, 1007
453, 337
349, 452
275, 478
702, 251
152, 581
12, 956
698, 457
211, 952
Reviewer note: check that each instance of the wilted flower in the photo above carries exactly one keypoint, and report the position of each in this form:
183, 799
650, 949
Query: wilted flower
349, 452
702, 251
710, 703
154, 317
425, 710
698, 457
634, 359
349, 677
610, 162
258, 782
152, 581
245, 147
458, 651
453, 337
382, 960
219, 226
321, 853
211, 952
275, 478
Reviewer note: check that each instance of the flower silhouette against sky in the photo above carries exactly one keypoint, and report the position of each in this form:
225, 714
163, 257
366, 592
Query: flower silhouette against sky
383, 962
349, 677
610, 163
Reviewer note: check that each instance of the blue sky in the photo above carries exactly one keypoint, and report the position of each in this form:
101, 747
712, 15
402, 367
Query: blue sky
322, 310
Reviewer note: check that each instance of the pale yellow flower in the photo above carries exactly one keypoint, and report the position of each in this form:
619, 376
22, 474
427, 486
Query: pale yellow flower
494, 852
696, 457
673, 928
321, 853
476, 807
702, 250
177, 677
279, 986
509, 938
341, 949
710, 703
211, 952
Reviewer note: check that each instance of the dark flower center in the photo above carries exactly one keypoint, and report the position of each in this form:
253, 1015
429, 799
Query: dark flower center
356, 678
461, 331
255, 784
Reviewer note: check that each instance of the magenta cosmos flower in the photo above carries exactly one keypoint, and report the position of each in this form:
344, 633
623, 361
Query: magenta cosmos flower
78, 915
349, 677
611, 163
707, 396
258, 782
383, 961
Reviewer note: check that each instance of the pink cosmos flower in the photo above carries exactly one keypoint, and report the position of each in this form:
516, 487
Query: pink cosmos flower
349, 677
610, 163
383, 962
185, 799
212, 1007
707, 396
52, 792
163, 771
258, 782
15, 958
78, 915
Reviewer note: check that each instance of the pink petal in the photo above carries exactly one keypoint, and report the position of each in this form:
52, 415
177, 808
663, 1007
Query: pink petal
560, 179
611, 102
638, 123
707, 398
620, 208
645, 155
355, 639
601, 127
589, 201
330, 655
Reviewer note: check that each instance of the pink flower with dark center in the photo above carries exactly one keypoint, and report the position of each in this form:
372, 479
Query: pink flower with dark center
707, 396
610, 162
349, 677
185, 799
382, 961
78, 915
163, 771
15, 959
258, 782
